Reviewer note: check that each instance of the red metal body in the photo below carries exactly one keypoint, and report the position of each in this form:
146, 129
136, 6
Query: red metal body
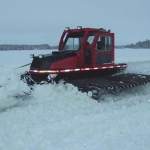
99, 59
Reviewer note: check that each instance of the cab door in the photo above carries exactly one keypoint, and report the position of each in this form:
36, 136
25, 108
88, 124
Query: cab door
104, 49
88, 50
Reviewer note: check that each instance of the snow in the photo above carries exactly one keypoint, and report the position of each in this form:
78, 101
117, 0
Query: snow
59, 117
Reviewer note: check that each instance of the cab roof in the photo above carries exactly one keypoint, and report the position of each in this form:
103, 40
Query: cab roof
80, 29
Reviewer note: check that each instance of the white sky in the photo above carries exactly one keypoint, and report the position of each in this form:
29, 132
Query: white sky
43, 21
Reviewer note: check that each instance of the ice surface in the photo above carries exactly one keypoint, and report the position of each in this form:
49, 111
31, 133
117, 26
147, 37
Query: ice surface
59, 117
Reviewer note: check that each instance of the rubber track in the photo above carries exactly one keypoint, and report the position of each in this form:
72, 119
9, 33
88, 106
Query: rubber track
100, 85
110, 84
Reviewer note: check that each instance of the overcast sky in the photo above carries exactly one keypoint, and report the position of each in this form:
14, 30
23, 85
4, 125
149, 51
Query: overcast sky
43, 21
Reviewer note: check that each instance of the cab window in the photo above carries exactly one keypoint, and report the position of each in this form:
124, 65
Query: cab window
73, 42
104, 43
90, 39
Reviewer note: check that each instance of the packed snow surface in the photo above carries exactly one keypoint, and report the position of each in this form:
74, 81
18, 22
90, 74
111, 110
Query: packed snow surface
59, 117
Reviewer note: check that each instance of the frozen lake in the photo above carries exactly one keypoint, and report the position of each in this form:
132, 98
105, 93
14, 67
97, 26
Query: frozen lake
60, 117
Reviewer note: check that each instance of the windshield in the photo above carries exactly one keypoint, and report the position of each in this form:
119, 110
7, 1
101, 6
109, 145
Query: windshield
90, 39
73, 41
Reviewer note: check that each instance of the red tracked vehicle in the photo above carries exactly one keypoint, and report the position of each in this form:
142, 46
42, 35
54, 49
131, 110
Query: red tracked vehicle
82, 52
85, 58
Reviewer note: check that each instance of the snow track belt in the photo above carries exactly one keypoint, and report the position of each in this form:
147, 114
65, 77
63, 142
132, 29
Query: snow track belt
110, 84
99, 85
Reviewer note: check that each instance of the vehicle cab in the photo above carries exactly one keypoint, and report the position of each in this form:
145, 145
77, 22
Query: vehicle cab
94, 47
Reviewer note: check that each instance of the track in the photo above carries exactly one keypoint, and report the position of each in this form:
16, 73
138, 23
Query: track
110, 84
100, 85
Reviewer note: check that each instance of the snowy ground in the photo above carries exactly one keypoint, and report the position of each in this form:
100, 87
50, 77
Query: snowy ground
58, 117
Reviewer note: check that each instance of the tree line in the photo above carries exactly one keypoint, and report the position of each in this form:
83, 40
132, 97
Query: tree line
143, 44
27, 47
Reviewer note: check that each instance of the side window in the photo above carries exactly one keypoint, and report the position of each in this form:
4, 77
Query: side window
72, 43
104, 43
90, 39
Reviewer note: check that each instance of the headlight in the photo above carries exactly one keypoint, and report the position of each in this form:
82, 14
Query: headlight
79, 27
67, 28
41, 56
31, 55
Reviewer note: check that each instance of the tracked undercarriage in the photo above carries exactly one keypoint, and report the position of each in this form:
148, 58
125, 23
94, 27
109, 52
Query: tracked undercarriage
111, 84
98, 85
